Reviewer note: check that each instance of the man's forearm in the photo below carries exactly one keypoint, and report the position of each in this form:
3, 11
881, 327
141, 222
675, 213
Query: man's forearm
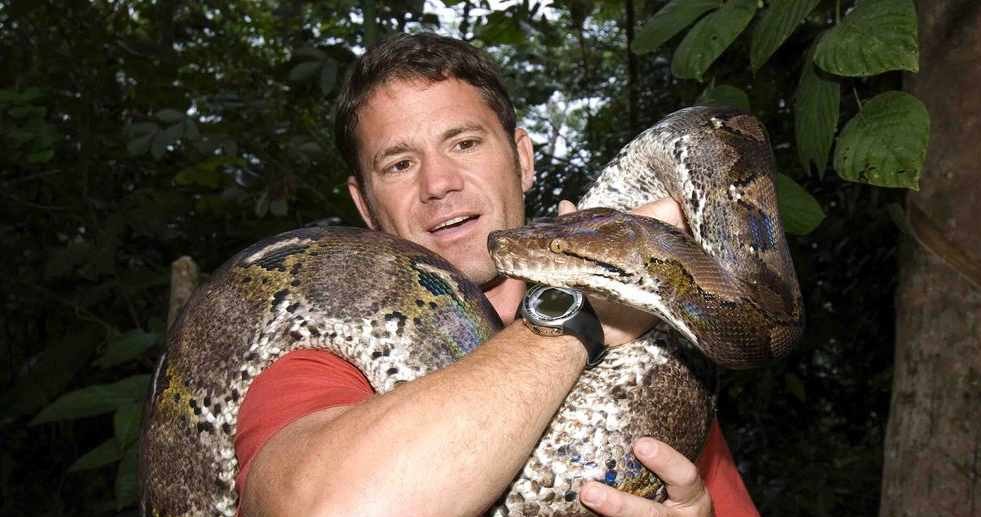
445, 444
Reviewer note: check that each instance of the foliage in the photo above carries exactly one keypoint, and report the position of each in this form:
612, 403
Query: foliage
134, 132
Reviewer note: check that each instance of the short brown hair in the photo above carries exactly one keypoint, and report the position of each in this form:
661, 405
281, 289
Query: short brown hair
425, 56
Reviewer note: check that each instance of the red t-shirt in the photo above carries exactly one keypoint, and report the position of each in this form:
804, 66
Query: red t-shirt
306, 381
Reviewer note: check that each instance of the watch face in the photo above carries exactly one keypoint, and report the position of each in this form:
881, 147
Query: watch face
549, 304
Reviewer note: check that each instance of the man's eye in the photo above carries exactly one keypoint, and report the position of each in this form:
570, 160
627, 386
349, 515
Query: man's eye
466, 145
400, 166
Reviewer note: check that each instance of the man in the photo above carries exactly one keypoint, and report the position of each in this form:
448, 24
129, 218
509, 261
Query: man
426, 125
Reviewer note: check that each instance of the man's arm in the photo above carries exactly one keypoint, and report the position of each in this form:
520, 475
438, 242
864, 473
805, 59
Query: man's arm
445, 444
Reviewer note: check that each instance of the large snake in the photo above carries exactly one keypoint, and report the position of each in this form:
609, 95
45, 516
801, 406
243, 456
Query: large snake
397, 312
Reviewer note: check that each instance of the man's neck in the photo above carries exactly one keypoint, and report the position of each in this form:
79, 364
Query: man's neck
505, 296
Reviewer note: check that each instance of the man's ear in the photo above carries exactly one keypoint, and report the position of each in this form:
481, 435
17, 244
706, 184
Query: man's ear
360, 201
526, 158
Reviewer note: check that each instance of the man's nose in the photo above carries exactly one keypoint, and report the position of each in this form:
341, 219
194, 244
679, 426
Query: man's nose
439, 177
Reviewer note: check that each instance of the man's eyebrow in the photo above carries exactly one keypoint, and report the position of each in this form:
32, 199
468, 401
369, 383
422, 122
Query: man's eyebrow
391, 150
454, 131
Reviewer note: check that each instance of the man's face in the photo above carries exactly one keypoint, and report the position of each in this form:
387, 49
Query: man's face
440, 170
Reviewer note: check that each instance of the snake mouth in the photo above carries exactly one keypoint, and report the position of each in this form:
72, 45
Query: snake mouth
537, 262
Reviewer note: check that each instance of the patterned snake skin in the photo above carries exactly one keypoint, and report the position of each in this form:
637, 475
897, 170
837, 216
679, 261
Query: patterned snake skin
398, 312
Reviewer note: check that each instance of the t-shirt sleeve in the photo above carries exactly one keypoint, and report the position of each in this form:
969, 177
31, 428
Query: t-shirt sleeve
296, 385
722, 479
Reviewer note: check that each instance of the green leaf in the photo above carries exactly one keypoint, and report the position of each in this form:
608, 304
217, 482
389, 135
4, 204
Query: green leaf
166, 138
795, 386
875, 37
169, 116
799, 211
669, 21
143, 128
126, 423
51, 370
126, 347
885, 144
501, 29
126, 479
312, 54
94, 400
305, 70
816, 110
278, 207
706, 41
262, 204
776, 24
191, 129
140, 145
106, 453
41, 156
328, 76
724, 95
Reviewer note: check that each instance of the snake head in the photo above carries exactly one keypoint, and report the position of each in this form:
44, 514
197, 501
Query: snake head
592, 249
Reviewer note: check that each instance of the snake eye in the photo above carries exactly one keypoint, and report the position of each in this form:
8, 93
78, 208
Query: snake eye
556, 245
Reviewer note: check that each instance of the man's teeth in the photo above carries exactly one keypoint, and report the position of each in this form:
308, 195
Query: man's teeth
451, 222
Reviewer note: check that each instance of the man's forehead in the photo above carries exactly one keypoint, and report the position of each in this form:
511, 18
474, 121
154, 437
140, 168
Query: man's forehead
402, 110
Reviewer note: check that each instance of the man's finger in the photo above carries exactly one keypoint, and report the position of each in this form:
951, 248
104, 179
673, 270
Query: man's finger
664, 209
566, 207
678, 473
610, 502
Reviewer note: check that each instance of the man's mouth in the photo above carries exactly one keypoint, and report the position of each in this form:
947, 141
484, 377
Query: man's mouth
453, 223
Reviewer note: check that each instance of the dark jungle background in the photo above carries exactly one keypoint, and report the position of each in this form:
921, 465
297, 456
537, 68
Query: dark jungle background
135, 132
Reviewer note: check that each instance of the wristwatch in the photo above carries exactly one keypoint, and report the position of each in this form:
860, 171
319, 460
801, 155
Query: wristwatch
559, 311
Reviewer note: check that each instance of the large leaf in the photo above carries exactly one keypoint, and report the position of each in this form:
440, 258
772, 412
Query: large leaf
106, 453
305, 70
127, 346
816, 108
126, 479
777, 23
877, 36
706, 41
724, 95
670, 20
126, 423
51, 371
885, 144
799, 211
95, 400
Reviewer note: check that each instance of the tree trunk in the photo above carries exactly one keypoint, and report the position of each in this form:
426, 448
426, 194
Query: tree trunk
932, 454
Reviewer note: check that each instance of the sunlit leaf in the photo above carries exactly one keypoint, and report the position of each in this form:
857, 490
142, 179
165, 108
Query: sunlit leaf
875, 37
885, 143
94, 400
673, 18
799, 211
706, 41
776, 24
816, 107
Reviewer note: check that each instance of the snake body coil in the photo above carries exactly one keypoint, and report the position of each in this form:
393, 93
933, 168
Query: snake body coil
398, 312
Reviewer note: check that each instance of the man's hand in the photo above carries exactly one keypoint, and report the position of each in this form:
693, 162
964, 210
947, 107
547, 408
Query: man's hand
687, 496
623, 324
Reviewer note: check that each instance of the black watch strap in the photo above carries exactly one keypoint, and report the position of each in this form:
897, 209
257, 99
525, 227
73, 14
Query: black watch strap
587, 327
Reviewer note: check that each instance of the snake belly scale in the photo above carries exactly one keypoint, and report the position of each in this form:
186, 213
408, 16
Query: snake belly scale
727, 297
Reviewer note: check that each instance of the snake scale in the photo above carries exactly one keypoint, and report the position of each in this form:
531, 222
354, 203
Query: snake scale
398, 312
